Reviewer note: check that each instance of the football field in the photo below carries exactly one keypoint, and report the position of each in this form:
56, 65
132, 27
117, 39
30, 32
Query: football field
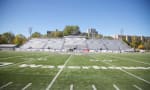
54, 71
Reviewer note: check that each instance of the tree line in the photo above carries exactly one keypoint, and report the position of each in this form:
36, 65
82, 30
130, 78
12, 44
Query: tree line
19, 39
137, 43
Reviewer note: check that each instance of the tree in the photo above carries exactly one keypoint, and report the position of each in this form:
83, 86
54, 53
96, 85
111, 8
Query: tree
19, 39
135, 42
69, 30
108, 37
59, 34
36, 35
126, 41
56, 34
141, 46
7, 38
98, 36
1, 39
147, 45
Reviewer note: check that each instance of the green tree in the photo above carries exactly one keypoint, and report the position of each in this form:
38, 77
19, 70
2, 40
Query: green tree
7, 38
20, 39
147, 45
1, 39
59, 34
98, 36
108, 37
36, 35
69, 30
135, 42
126, 41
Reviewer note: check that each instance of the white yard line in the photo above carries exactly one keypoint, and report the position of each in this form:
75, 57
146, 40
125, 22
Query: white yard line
71, 87
6, 85
54, 79
81, 67
28, 85
137, 87
133, 75
116, 87
94, 88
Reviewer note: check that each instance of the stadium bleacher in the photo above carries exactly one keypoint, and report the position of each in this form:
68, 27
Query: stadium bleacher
75, 44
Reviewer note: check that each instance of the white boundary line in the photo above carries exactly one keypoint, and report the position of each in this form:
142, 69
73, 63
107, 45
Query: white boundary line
93, 86
133, 75
54, 79
28, 85
137, 87
116, 87
71, 87
6, 85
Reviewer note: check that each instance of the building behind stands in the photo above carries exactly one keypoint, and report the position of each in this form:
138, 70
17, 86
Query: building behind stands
129, 37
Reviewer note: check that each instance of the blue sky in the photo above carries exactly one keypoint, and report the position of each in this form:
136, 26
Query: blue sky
107, 16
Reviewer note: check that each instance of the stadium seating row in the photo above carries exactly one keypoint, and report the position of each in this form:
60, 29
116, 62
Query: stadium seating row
75, 44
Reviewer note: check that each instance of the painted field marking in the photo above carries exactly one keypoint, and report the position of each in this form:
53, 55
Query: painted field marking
28, 85
133, 75
17, 63
71, 87
54, 79
116, 87
82, 67
94, 60
6, 85
85, 67
73, 67
137, 87
93, 86
5, 63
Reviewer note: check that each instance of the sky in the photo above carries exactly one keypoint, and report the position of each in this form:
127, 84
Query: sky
108, 17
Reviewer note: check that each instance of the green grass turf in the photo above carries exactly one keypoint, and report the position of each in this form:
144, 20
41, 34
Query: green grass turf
82, 79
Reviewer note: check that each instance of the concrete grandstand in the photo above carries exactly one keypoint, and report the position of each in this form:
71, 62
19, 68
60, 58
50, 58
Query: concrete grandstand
75, 44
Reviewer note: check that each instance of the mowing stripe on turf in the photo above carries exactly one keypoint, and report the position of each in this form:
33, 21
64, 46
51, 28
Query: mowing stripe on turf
133, 75
28, 85
133, 60
141, 62
93, 86
7, 84
71, 87
116, 87
54, 79
137, 87
11, 57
